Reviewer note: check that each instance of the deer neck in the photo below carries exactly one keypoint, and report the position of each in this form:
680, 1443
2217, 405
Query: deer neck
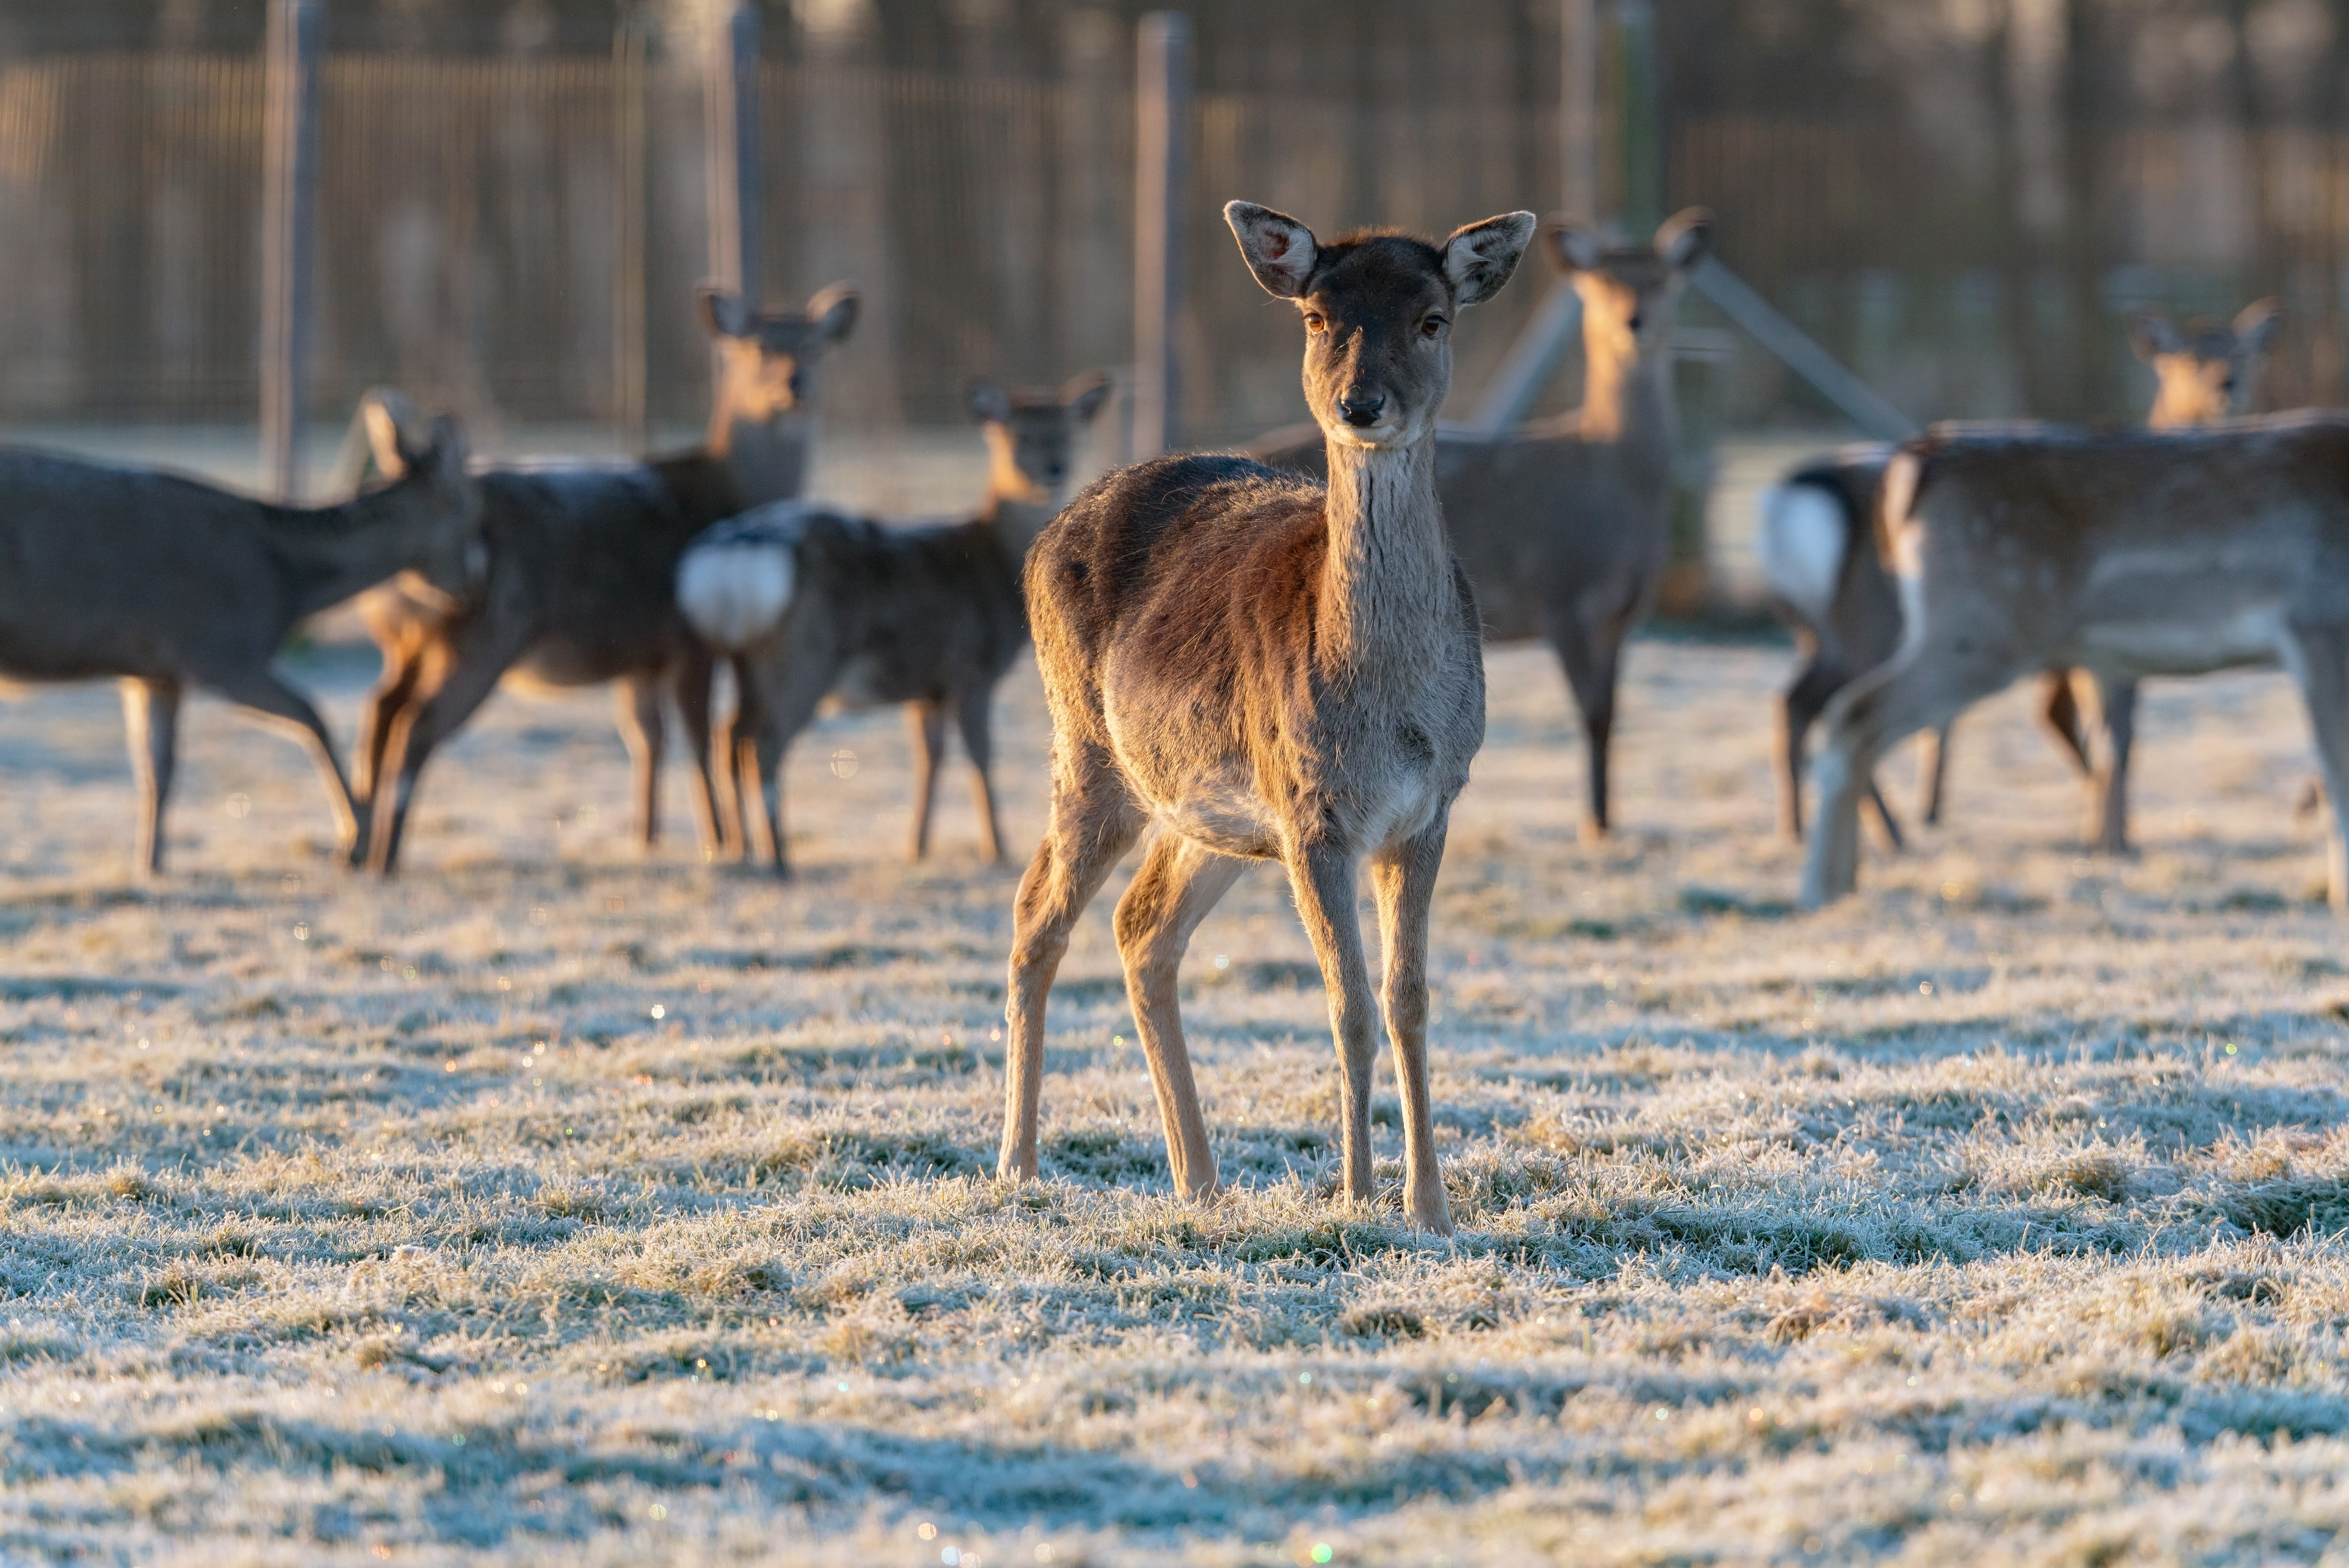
338, 552
1387, 579
765, 459
1626, 398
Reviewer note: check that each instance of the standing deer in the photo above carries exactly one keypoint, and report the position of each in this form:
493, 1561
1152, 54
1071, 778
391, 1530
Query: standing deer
1270, 670
1819, 555
583, 564
809, 604
1563, 524
164, 584
2124, 554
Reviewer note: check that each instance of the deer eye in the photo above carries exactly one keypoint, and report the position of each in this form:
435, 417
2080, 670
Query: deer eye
1314, 321
1431, 327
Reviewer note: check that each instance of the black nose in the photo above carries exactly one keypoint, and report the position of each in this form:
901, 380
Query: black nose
1054, 472
1362, 411
1635, 321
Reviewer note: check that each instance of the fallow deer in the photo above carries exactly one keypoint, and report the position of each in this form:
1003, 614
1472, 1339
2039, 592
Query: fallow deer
583, 567
814, 608
1563, 524
1270, 670
2123, 553
1819, 555
165, 583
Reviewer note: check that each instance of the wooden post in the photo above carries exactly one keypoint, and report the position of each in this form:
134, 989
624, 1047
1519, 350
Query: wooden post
731, 107
295, 40
1578, 111
1641, 106
1162, 102
629, 48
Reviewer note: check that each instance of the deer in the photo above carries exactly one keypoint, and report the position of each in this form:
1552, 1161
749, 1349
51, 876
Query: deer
1269, 668
2124, 553
1817, 537
1563, 524
583, 557
164, 584
816, 609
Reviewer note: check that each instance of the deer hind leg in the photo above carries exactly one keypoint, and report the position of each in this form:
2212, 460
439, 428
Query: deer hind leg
1933, 773
782, 696
403, 668
1817, 681
460, 676
974, 716
1589, 660
1923, 687
1179, 882
2059, 711
2319, 660
1322, 877
692, 679
734, 766
637, 701
283, 708
926, 723
151, 717
1094, 821
2108, 786
1402, 878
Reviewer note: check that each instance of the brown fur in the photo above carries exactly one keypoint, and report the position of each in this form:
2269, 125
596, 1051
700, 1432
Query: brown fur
1270, 671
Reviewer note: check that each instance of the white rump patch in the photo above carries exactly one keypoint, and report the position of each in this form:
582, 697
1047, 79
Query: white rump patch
735, 583
1805, 532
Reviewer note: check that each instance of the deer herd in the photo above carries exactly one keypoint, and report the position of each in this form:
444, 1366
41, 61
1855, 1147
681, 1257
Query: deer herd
1274, 656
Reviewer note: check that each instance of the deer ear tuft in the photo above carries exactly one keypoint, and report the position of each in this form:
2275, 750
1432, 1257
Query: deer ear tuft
833, 310
1682, 239
989, 405
1084, 395
1479, 258
1279, 250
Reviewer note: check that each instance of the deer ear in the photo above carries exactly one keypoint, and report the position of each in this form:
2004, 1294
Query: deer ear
1574, 248
448, 442
1279, 250
1084, 395
724, 313
833, 311
988, 403
2256, 323
1481, 257
391, 430
2152, 334
1682, 239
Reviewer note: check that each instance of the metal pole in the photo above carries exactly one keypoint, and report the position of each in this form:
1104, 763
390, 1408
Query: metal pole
732, 127
1858, 401
295, 41
1163, 102
1578, 111
628, 240
1642, 111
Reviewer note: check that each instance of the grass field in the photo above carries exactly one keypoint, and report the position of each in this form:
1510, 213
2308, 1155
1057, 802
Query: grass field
557, 1204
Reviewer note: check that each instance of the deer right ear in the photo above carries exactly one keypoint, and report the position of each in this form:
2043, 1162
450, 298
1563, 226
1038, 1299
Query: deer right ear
1279, 250
1573, 248
1480, 257
448, 442
724, 313
2152, 334
988, 403
2256, 323
833, 310
1084, 395
391, 430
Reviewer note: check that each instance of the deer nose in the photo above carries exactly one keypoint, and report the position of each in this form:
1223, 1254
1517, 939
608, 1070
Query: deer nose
1361, 412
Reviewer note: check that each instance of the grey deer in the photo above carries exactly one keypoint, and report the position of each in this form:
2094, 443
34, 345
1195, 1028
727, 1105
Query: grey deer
2123, 553
1270, 670
583, 564
166, 584
1819, 555
812, 608
1563, 524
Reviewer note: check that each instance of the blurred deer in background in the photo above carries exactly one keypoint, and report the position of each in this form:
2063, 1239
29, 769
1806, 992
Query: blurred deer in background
583, 567
816, 610
1563, 524
167, 583
1819, 556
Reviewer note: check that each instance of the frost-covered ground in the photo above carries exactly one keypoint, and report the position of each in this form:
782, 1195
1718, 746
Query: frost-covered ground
559, 1205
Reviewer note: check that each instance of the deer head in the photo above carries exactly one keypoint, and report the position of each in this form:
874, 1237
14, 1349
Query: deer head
1628, 293
1378, 310
769, 360
433, 458
1032, 436
2205, 369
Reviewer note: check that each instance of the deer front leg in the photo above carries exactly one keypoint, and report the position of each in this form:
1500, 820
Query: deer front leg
637, 703
2108, 797
692, 680
2319, 660
2059, 710
926, 723
1322, 876
403, 665
1817, 682
1402, 878
151, 717
973, 714
1179, 882
1933, 773
288, 710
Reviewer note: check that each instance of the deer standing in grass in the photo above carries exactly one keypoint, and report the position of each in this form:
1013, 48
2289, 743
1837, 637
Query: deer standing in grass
165, 583
1270, 670
816, 610
583, 569
1564, 524
1819, 556
2123, 553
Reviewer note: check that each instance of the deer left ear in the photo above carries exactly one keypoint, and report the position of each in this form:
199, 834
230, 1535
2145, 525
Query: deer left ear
1684, 237
1478, 259
988, 403
2256, 323
833, 311
1279, 250
1084, 396
724, 313
392, 430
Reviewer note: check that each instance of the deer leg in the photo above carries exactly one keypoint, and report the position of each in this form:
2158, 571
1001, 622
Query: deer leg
1402, 878
974, 714
637, 704
1179, 882
286, 709
151, 717
1933, 773
1322, 877
2108, 799
1925, 686
692, 680
781, 711
734, 766
460, 678
2059, 710
1817, 681
926, 721
403, 666
1589, 664
2319, 660
1094, 821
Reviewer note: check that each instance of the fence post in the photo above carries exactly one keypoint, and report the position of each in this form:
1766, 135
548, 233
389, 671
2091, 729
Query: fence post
1163, 103
630, 43
1578, 110
1640, 108
731, 124
295, 40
